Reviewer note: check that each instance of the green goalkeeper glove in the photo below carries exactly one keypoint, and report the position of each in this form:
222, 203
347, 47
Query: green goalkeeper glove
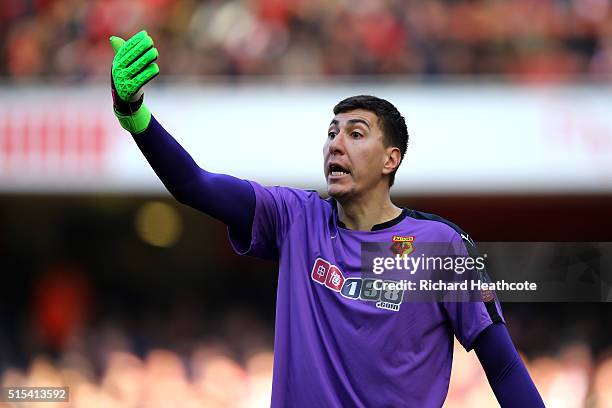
133, 67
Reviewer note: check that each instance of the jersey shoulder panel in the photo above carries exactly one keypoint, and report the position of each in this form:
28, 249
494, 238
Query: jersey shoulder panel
490, 304
444, 224
298, 203
297, 196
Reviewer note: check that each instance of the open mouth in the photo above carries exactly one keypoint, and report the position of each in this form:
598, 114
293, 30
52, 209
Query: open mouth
336, 170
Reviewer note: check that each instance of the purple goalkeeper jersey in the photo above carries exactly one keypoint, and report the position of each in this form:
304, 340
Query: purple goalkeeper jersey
332, 347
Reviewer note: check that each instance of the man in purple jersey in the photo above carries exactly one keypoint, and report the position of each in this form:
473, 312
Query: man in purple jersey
339, 342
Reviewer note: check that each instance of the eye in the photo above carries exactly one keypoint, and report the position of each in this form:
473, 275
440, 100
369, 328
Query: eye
331, 134
356, 135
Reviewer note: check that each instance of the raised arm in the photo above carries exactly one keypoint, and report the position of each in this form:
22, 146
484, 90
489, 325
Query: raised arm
226, 198
229, 199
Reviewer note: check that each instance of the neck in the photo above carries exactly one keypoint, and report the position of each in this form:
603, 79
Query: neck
362, 213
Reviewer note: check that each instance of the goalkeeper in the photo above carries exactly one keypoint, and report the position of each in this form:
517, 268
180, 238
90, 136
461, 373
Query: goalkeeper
337, 341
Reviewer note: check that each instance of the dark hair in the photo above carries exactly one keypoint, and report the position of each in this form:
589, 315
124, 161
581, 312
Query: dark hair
390, 121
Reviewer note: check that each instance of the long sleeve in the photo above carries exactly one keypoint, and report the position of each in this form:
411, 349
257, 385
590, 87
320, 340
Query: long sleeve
226, 198
505, 370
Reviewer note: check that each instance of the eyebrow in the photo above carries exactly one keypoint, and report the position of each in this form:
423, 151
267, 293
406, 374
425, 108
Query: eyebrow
351, 121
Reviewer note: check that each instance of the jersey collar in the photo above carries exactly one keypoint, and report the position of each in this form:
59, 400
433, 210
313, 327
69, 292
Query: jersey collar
376, 227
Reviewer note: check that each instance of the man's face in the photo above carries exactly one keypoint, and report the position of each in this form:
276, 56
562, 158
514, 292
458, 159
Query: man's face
354, 156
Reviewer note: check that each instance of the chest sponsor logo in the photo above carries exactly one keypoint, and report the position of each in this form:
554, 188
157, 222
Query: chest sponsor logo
330, 276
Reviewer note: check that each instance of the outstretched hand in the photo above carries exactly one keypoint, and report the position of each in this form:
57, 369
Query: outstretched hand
133, 65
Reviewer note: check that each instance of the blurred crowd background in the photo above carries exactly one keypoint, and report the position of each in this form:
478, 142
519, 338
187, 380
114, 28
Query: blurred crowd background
136, 301
67, 40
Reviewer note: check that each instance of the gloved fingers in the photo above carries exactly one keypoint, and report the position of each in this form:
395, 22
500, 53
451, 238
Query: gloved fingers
138, 65
133, 48
133, 40
137, 51
146, 75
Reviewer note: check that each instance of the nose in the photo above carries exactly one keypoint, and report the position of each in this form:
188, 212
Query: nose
336, 145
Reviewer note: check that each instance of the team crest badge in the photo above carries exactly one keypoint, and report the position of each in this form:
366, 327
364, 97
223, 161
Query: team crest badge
402, 246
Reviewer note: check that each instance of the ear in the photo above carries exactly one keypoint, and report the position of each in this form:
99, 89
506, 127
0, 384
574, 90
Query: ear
392, 161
